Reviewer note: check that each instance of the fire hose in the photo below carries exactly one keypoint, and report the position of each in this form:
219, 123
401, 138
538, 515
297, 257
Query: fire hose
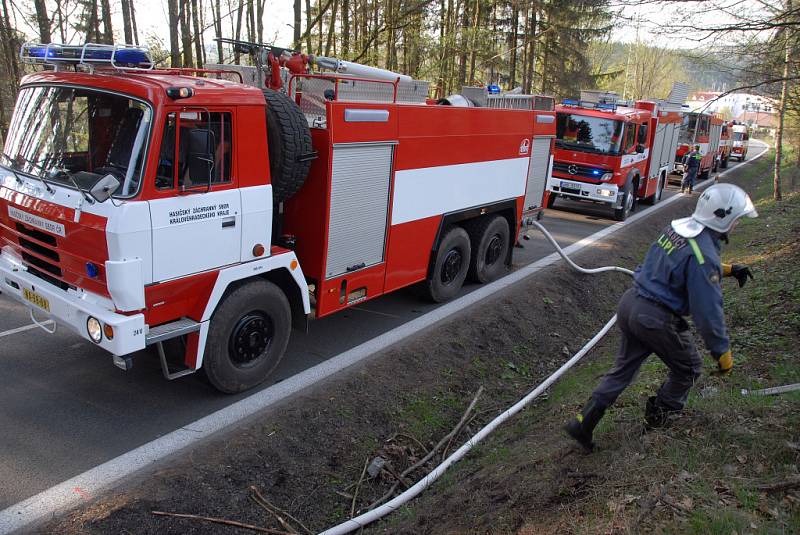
362, 520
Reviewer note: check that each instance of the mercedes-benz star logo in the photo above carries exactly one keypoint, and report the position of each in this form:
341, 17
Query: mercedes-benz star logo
572, 169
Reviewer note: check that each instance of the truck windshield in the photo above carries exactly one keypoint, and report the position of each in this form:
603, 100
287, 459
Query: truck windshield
738, 136
590, 134
76, 136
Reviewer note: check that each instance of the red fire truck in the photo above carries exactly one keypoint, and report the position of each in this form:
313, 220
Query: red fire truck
725, 146
740, 141
703, 129
611, 152
140, 207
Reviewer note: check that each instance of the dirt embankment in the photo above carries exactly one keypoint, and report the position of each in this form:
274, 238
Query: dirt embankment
307, 456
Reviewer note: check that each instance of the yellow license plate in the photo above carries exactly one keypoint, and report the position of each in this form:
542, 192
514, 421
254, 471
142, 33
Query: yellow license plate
36, 299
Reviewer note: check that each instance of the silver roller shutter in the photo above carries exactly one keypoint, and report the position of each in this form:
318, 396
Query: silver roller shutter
537, 172
657, 157
360, 184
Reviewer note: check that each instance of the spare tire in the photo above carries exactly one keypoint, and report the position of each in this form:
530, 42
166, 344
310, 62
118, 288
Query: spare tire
290, 149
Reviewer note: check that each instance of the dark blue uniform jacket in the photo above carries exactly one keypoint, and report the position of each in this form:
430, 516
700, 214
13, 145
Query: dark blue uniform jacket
683, 274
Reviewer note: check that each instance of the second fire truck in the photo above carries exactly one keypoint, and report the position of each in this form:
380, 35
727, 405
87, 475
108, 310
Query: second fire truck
614, 153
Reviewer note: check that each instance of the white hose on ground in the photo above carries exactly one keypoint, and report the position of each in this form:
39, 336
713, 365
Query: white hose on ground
772, 391
401, 499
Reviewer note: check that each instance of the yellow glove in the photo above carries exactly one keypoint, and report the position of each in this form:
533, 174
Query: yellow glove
725, 363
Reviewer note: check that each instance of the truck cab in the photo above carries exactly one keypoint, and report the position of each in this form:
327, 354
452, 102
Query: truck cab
126, 204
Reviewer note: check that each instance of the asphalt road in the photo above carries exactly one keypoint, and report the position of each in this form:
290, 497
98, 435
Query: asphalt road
64, 408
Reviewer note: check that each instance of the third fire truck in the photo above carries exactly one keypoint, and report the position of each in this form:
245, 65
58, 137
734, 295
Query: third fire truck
703, 129
143, 207
614, 153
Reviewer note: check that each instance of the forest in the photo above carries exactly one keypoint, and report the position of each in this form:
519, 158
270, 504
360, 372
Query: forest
553, 47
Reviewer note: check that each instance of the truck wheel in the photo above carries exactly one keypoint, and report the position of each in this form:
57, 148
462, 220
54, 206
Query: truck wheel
451, 266
489, 239
551, 200
247, 336
724, 163
655, 197
704, 175
621, 214
290, 146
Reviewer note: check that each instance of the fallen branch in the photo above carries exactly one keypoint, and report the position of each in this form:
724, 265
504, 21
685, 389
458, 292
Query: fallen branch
275, 509
431, 453
223, 521
780, 485
278, 517
358, 487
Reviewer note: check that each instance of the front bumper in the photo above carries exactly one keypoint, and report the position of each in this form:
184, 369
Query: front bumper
605, 193
71, 308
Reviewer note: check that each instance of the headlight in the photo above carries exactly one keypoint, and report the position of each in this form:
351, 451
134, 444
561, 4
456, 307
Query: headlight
605, 192
607, 176
94, 329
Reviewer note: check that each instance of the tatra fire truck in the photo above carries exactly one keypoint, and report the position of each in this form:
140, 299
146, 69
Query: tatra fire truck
704, 129
740, 141
614, 153
143, 207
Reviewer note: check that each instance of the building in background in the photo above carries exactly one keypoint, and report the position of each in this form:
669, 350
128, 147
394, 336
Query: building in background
756, 111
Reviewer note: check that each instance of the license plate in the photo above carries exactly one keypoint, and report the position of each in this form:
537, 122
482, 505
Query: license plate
36, 299
570, 185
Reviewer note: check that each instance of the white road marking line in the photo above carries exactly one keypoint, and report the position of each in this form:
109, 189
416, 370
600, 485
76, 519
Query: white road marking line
23, 329
90, 484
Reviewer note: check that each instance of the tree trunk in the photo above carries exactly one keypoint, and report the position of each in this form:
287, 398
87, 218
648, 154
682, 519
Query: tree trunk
331, 28
512, 68
238, 31
216, 13
174, 48
126, 21
62, 23
198, 45
345, 28
787, 46
298, 19
260, 20
108, 31
42, 21
309, 27
133, 24
186, 35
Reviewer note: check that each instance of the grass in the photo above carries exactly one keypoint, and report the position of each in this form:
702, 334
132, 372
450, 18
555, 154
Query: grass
714, 457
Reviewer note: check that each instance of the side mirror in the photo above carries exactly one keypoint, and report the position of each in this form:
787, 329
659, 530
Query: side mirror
104, 188
639, 149
201, 156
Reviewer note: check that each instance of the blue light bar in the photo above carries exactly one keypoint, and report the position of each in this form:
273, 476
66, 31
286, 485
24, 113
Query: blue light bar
117, 56
493, 89
606, 106
595, 171
570, 102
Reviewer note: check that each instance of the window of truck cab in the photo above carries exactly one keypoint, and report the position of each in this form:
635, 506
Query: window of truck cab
73, 136
588, 133
179, 126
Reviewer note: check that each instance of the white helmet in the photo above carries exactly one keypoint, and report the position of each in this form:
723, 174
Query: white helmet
718, 209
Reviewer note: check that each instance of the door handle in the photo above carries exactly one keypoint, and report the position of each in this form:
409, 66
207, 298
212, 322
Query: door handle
229, 222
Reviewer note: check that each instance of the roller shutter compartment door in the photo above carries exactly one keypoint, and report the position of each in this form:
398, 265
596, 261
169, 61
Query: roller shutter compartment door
360, 184
537, 172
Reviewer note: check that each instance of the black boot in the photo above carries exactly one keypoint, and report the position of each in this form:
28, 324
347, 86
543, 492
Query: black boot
581, 427
655, 414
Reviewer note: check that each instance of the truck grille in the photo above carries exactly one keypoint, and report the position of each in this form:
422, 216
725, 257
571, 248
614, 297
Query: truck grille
579, 171
40, 254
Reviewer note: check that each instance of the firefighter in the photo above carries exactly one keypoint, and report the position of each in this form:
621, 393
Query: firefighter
691, 165
680, 276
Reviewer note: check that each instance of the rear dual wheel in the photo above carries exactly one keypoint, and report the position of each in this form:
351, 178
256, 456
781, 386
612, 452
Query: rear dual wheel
478, 250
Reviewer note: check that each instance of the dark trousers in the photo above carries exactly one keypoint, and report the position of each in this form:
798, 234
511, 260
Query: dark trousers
688, 177
650, 328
